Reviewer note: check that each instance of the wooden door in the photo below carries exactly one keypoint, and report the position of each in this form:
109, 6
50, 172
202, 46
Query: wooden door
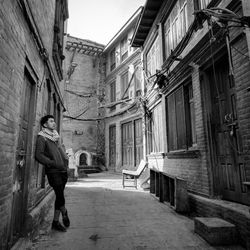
138, 141
229, 169
127, 144
23, 156
112, 147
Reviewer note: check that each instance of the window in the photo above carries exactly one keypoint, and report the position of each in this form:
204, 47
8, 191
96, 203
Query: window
112, 94
124, 49
201, 4
181, 119
190, 98
183, 20
153, 58
175, 28
155, 131
137, 81
58, 117
112, 60
124, 85
61, 14
168, 38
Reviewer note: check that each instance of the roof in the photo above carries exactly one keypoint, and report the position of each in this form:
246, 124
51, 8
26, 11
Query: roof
83, 46
120, 33
145, 21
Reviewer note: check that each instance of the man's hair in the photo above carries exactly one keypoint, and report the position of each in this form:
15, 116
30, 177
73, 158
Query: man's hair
45, 118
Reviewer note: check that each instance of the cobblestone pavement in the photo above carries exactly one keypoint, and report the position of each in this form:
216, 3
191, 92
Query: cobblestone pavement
106, 216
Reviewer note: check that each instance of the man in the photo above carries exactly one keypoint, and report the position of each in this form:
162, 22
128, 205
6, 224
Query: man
50, 153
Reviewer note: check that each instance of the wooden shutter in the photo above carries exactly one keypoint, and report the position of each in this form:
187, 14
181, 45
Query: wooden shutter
138, 141
171, 123
180, 119
127, 144
196, 5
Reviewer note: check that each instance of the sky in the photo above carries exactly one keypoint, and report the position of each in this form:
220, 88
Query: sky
99, 20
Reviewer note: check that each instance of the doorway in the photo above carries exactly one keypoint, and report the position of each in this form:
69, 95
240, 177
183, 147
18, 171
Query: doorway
23, 157
228, 161
112, 147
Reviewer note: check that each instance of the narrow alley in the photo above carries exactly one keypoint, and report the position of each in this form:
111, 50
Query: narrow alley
106, 216
154, 91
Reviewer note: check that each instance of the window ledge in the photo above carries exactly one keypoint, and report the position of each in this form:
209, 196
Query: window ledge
183, 154
154, 155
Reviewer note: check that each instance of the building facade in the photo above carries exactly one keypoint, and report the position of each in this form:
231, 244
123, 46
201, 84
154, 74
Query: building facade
31, 57
83, 129
197, 74
123, 89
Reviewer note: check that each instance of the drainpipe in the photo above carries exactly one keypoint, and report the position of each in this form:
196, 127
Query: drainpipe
144, 131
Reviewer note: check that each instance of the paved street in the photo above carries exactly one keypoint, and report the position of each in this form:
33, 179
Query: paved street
105, 216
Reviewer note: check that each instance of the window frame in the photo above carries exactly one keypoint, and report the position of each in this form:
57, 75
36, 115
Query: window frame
112, 94
124, 48
112, 59
153, 57
138, 80
173, 28
181, 130
155, 142
124, 86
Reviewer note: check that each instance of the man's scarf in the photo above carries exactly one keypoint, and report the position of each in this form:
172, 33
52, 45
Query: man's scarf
51, 135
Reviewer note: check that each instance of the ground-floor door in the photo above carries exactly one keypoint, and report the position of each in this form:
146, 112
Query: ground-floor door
112, 147
132, 143
138, 141
23, 154
229, 166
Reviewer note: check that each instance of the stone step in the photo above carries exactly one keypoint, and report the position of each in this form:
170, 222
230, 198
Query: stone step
88, 170
215, 231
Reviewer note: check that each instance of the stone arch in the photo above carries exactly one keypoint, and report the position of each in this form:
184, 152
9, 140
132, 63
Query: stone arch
87, 156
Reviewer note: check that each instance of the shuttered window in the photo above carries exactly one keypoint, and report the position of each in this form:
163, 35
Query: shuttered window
153, 58
176, 121
124, 85
112, 60
201, 4
175, 27
112, 94
181, 120
137, 80
124, 48
155, 131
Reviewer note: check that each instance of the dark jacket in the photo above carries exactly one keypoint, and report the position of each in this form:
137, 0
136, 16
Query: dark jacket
51, 155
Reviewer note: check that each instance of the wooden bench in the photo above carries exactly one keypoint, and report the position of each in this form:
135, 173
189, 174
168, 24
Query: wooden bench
130, 175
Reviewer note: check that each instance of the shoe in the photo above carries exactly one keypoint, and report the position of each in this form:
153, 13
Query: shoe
65, 219
56, 225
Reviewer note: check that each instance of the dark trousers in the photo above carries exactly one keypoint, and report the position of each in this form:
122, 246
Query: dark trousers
58, 181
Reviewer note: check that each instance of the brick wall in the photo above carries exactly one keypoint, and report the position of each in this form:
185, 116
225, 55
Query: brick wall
83, 103
242, 80
18, 49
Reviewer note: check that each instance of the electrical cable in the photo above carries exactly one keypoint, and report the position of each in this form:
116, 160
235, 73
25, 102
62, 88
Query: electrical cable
240, 52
